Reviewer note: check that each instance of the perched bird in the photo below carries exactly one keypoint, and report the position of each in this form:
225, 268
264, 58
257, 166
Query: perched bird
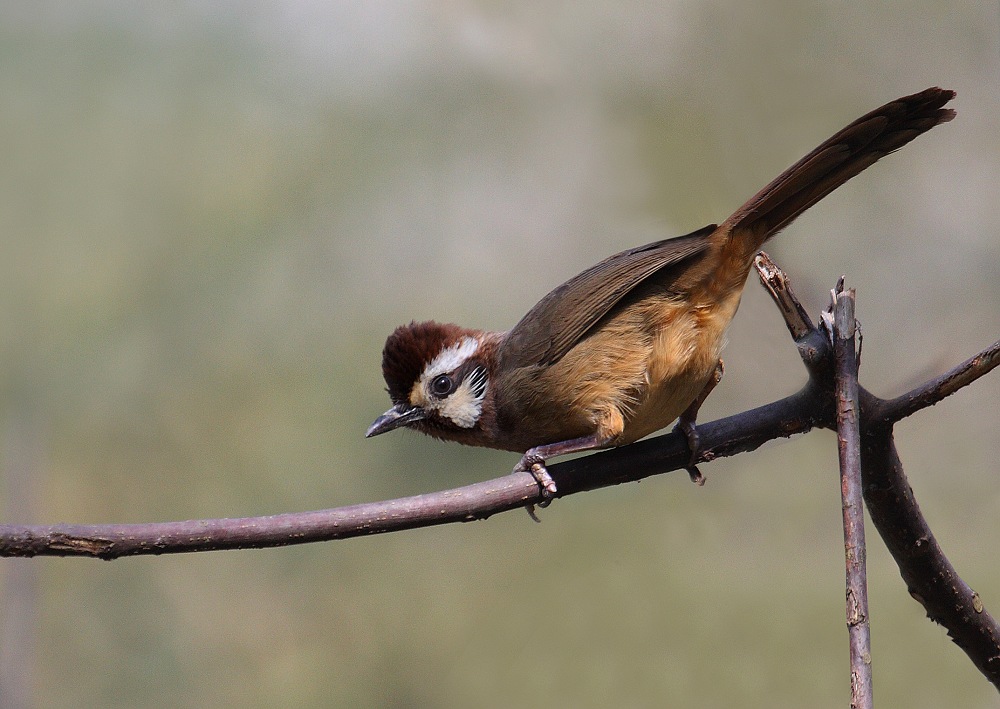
632, 343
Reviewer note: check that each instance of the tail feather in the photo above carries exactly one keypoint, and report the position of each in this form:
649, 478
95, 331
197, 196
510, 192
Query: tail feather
837, 160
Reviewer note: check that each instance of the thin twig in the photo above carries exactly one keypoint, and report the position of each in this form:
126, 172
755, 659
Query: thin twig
813, 346
849, 449
932, 392
776, 282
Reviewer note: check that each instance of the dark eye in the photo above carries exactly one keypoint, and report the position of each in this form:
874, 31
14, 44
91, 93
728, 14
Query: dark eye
442, 385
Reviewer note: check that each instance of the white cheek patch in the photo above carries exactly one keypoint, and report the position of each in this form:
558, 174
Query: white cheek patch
465, 404
447, 360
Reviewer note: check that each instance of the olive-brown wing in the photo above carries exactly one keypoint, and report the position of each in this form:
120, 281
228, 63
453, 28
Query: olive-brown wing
563, 317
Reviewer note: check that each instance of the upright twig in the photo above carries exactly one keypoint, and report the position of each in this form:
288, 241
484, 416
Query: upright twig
849, 448
813, 345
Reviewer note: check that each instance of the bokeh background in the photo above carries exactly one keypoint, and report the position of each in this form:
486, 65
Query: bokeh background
211, 215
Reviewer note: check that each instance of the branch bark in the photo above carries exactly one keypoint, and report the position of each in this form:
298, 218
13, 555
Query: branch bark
929, 576
937, 389
849, 450
726, 437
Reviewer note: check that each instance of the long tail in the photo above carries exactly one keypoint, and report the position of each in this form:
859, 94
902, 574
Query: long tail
837, 160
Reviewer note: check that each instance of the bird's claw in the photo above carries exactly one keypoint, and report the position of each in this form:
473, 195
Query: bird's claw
690, 431
696, 477
536, 466
545, 482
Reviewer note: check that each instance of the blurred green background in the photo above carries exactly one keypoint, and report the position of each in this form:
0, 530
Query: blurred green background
211, 215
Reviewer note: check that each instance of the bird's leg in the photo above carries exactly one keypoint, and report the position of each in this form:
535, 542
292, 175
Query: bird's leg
686, 423
533, 460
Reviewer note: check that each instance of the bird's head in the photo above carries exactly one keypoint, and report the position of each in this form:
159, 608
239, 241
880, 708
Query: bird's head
438, 379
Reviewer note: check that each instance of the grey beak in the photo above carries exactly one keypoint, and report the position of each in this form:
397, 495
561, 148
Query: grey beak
396, 417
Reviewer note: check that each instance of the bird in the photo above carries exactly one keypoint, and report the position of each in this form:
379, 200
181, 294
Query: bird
632, 343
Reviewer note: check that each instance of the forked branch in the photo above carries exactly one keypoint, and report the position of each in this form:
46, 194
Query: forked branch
928, 574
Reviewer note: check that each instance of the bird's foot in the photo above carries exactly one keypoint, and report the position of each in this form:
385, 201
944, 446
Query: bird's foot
535, 465
686, 423
690, 430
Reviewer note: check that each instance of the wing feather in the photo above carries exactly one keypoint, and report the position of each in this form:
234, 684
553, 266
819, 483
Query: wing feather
563, 317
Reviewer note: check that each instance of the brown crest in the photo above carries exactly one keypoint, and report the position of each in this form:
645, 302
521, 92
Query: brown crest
408, 350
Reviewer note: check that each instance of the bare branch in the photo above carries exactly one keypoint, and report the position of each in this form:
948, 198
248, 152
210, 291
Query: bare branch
935, 390
736, 434
111, 541
776, 282
849, 449
812, 343
929, 576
